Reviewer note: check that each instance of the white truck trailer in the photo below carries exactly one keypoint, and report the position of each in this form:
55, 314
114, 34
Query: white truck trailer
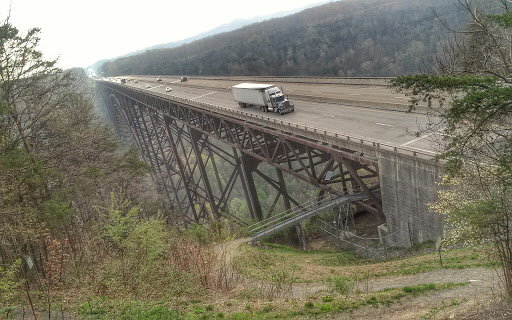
267, 97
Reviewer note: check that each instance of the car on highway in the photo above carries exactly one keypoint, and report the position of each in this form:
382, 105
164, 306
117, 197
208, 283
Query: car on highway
148, 86
135, 81
168, 89
158, 79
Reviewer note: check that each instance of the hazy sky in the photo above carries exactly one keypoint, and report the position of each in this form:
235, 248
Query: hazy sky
82, 32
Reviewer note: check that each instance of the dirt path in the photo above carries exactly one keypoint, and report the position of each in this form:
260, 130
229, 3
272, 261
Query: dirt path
476, 276
482, 285
481, 288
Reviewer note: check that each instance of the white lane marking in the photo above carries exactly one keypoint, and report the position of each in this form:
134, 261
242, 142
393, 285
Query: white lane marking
426, 136
383, 124
413, 141
328, 115
176, 81
203, 95
402, 98
354, 94
154, 87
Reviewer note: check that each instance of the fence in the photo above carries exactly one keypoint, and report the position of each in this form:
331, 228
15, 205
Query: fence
369, 248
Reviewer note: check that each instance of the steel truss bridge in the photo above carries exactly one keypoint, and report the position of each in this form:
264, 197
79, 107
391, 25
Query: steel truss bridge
201, 154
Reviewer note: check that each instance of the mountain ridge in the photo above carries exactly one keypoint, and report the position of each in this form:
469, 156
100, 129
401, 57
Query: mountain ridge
344, 38
226, 27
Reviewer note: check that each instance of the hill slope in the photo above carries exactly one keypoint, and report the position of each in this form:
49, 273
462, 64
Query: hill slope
345, 38
233, 25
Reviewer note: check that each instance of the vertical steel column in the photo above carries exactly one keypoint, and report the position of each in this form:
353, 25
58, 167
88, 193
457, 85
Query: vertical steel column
168, 123
195, 137
243, 181
249, 164
298, 227
138, 133
158, 126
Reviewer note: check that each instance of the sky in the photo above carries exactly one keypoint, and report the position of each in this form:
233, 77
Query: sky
82, 32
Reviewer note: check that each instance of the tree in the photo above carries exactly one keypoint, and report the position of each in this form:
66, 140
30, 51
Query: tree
57, 159
472, 81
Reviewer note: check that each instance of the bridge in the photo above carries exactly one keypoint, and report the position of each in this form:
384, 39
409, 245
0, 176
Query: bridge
346, 140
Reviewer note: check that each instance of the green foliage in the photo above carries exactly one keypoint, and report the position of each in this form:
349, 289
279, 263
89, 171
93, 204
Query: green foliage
121, 218
147, 239
140, 266
419, 288
504, 20
340, 285
339, 259
9, 283
57, 212
435, 310
198, 233
327, 307
88, 309
133, 162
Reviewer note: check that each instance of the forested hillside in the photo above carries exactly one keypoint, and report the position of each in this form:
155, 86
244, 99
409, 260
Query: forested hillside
344, 38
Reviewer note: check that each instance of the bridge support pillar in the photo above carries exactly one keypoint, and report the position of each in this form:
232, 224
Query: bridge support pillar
408, 185
249, 165
198, 140
298, 227
301, 236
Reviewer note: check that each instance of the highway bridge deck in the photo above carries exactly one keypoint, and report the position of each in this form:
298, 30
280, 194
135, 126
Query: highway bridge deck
361, 117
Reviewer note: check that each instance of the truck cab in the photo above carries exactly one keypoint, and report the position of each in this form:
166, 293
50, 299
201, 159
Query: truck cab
277, 102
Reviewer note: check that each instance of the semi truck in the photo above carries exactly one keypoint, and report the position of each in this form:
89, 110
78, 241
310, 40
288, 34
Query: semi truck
267, 97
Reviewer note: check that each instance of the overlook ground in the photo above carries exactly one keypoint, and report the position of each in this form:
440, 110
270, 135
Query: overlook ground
276, 281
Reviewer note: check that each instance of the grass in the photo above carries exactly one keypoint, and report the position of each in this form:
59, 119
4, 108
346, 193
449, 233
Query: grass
437, 309
327, 304
317, 266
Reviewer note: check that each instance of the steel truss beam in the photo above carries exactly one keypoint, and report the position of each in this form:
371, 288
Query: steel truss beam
175, 139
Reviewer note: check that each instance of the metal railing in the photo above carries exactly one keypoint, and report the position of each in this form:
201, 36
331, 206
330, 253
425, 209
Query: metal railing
297, 214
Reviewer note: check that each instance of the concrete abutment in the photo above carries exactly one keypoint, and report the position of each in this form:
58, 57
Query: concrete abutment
408, 184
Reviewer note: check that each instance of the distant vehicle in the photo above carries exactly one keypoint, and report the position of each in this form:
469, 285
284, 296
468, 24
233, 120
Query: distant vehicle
123, 80
183, 79
168, 89
267, 97
148, 86
158, 79
135, 81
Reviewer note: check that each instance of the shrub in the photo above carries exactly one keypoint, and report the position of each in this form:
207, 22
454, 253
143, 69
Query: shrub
8, 283
341, 285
